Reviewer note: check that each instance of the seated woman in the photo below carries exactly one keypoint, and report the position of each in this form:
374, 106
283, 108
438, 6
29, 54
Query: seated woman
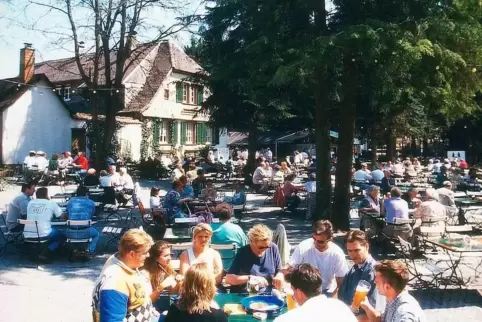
173, 201
158, 270
239, 196
54, 164
209, 193
91, 180
260, 258
187, 190
197, 298
290, 190
201, 252
285, 169
154, 200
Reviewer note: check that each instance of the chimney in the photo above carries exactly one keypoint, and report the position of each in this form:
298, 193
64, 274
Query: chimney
27, 63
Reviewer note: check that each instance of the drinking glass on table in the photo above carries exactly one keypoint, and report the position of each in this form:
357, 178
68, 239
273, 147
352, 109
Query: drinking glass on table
253, 286
361, 293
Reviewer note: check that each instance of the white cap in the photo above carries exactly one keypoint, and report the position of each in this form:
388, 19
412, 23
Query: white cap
40, 153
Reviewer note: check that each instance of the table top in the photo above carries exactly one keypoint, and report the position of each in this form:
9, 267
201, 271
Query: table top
234, 298
468, 201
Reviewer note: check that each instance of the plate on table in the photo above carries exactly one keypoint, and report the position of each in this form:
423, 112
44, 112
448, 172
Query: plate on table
263, 303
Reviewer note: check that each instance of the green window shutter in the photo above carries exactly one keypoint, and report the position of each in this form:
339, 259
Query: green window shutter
203, 137
155, 131
199, 133
174, 132
179, 92
200, 94
183, 133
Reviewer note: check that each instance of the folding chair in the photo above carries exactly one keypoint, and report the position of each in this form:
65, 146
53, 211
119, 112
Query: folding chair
9, 237
78, 225
40, 242
177, 249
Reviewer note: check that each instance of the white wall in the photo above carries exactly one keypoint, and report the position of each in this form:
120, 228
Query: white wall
162, 108
130, 137
36, 121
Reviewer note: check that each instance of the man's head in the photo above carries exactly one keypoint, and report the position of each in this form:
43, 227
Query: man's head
373, 191
412, 192
134, 247
357, 246
28, 188
122, 171
448, 184
322, 233
431, 194
364, 166
200, 173
81, 191
395, 192
42, 193
80, 154
260, 238
112, 169
305, 281
391, 277
223, 211
32, 153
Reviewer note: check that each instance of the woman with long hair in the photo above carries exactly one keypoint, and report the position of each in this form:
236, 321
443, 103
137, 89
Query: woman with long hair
159, 271
196, 300
201, 252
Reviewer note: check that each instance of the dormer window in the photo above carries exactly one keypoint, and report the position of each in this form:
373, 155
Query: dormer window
67, 93
58, 89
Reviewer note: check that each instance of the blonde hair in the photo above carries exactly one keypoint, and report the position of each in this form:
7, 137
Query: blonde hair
199, 228
198, 289
134, 240
260, 232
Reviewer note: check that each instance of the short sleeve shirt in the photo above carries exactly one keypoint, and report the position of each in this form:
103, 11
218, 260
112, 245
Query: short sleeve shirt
331, 262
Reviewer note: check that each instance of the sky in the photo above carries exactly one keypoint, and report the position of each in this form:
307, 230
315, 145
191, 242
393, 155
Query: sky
21, 24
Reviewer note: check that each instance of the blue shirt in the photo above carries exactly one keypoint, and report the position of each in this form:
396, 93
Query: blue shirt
80, 208
239, 198
396, 207
247, 263
227, 234
187, 192
365, 271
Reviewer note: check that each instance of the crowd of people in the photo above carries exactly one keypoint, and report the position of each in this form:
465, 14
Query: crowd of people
317, 276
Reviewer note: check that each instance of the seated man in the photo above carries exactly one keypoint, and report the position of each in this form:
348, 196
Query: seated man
387, 182
29, 160
396, 207
17, 208
446, 194
430, 208
411, 198
261, 177
81, 207
126, 186
43, 210
199, 183
392, 279
325, 255
227, 233
305, 282
362, 176
81, 163
260, 258
363, 269
209, 193
239, 196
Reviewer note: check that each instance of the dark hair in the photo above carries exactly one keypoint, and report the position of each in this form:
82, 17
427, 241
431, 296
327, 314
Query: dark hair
223, 211
183, 179
395, 192
306, 278
323, 227
200, 171
157, 274
42, 193
177, 184
28, 185
356, 236
81, 191
394, 272
291, 177
55, 156
154, 191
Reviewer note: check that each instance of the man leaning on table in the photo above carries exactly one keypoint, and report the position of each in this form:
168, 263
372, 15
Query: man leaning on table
323, 254
391, 279
363, 269
306, 283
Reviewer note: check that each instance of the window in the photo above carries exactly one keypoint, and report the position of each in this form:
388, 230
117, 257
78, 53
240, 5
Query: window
166, 94
192, 96
163, 128
185, 93
189, 133
209, 135
58, 89
66, 93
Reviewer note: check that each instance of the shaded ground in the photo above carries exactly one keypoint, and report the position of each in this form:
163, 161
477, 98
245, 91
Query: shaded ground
62, 291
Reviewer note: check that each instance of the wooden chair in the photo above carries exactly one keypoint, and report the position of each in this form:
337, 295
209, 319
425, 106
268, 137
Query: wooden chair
77, 225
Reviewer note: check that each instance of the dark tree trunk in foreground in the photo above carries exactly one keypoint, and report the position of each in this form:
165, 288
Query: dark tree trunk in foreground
341, 204
252, 145
374, 147
391, 144
323, 157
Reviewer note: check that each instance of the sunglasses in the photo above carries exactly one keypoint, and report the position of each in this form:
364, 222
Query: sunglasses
321, 242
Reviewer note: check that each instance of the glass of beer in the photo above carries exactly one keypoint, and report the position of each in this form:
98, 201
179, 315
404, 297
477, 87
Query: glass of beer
361, 292
290, 300
253, 287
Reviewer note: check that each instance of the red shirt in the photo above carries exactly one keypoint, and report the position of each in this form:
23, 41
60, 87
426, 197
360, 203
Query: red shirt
83, 162
463, 165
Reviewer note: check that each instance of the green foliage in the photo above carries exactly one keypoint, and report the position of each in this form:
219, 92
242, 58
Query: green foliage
91, 139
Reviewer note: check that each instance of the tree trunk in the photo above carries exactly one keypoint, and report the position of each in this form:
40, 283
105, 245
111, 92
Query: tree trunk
252, 146
391, 142
374, 147
425, 147
323, 152
341, 203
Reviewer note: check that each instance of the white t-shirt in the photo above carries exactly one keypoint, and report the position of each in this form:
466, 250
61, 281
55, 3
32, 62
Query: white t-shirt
331, 262
105, 181
362, 176
43, 211
29, 161
319, 308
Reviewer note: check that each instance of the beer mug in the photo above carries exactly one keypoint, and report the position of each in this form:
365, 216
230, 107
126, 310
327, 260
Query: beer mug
253, 286
361, 292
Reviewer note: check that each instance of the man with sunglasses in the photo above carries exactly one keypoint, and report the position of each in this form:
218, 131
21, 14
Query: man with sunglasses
322, 253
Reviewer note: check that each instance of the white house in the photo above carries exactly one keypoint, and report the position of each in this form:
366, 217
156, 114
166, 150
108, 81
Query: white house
32, 117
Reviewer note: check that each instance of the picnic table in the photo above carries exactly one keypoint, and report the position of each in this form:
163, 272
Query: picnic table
465, 205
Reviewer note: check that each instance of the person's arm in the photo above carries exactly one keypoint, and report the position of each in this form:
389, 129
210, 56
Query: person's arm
234, 276
22, 206
372, 314
278, 279
184, 263
57, 210
112, 303
218, 267
169, 282
341, 268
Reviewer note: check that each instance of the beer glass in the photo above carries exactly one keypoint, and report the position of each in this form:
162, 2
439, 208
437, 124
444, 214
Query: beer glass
253, 287
361, 292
